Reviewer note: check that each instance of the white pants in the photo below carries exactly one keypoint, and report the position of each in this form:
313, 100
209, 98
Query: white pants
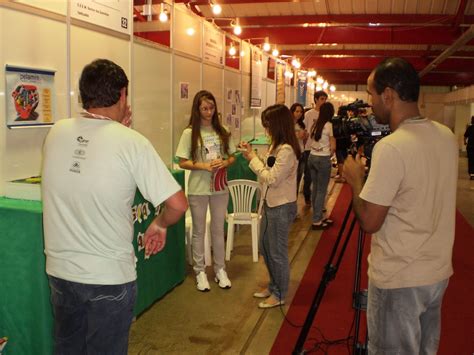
218, 207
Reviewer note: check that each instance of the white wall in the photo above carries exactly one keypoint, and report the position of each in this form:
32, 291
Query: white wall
151, 80
41, 48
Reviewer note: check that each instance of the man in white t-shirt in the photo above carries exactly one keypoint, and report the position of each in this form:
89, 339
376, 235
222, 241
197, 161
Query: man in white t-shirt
408, 203
92, 166
310, 117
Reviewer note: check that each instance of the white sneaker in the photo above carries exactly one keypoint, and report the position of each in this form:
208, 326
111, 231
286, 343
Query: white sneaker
222, 279
202, 283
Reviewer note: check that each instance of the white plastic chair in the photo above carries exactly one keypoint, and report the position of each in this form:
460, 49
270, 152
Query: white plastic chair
242, 193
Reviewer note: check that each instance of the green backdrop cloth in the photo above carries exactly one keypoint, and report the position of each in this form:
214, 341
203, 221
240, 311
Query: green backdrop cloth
25, 311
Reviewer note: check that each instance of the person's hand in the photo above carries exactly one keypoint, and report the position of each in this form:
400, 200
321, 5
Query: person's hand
127, 118
155, 239
353, 170
246, 150
218, 163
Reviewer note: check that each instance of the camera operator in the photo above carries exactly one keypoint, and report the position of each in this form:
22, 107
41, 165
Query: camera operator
408, 203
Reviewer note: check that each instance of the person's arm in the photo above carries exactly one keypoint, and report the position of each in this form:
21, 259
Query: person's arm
188, 164
155, 235
279, 171
332, 144
370, 215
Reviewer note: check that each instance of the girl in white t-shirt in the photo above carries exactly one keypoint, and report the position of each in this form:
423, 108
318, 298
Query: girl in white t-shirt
319, 163
206, 148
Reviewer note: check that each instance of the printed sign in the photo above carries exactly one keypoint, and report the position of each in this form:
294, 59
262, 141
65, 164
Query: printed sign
30, 96
111, 14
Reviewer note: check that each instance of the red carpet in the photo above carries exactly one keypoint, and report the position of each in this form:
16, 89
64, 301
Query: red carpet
335, 315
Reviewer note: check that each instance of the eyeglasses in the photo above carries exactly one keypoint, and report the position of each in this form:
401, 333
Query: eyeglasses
206, 109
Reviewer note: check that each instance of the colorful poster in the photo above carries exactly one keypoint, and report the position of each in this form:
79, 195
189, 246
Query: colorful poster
111, 14
301, 90
30, 97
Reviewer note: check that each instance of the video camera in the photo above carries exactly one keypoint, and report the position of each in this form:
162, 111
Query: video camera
354, 126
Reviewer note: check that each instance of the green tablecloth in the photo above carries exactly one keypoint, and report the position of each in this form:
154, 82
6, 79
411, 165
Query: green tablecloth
25, 310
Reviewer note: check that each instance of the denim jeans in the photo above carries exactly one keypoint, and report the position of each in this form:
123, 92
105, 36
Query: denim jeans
320, 167
303, 168
273, 246
405, 321
91, 319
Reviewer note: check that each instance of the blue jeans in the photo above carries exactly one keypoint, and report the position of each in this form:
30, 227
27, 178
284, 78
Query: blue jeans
91, 319
405, 320
276, 222
320, 167
303, 168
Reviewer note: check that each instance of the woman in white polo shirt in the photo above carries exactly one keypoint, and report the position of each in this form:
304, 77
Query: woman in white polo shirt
319, 163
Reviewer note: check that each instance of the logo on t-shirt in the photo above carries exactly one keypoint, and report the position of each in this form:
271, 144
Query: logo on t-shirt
82, 140
76, 167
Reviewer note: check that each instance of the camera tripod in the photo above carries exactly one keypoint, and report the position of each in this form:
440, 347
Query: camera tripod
359, 296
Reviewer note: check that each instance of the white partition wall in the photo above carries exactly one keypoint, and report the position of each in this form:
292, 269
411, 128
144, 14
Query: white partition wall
186, 72
271, 93
233, 112
20, 149
152, 97
99, 45
212, 80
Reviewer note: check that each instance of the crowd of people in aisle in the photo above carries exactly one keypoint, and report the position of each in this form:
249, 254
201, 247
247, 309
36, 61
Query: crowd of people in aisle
88, 229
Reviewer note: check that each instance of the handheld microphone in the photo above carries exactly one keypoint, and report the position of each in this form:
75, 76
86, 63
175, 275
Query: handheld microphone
271, 161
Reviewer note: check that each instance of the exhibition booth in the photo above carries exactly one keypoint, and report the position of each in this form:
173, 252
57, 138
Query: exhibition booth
44, 47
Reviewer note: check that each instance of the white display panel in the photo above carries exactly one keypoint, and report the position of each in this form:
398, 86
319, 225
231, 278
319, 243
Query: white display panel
271, 93
152, 98
185, 71
187, 31
99, 45
20, 149
233, 97
57, 6
213, 44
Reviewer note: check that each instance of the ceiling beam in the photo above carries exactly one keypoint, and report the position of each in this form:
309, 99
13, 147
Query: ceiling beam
354, 35
371, 53
349, 19
465, 38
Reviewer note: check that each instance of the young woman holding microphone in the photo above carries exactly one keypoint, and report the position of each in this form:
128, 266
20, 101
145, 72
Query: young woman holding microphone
278, 176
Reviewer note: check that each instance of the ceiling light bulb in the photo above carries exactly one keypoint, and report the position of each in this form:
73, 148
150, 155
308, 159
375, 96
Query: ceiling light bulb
332, 88
190, 31
237, 30
325, 85
242, 53
266, 46
320, 80
216, 9
232, 50
163, 17
275, 52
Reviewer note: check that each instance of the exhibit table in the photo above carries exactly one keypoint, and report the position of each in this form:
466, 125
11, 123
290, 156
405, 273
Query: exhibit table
25, 310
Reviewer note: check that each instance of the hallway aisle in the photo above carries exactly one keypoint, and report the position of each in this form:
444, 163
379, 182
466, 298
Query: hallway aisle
187, 321
228, 321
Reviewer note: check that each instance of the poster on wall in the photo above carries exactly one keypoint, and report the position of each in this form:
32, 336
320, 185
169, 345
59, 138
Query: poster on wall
301, 90
30, 97
280, 83
213, 45
184, 91
114, 15
256, 79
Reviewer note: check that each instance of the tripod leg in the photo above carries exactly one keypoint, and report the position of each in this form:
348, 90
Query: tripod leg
359, 296
328, 275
